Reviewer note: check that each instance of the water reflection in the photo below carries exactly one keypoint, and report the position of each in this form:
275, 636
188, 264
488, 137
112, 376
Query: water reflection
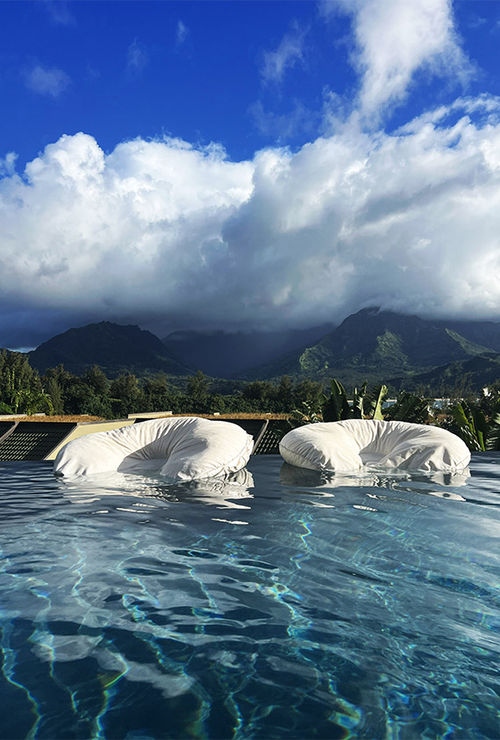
291, 475
223, 491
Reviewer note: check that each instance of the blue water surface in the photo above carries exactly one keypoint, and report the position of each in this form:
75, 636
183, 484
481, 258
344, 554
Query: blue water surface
281, 603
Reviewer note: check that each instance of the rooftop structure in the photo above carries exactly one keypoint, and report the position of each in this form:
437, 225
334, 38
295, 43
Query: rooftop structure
23, 438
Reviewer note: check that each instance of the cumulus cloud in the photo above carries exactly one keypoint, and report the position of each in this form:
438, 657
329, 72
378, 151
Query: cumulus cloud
163, 230
49, 81
288, 54
394, 40
104, 231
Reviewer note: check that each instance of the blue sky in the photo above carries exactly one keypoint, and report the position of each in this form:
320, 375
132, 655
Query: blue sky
196, 70
246, 164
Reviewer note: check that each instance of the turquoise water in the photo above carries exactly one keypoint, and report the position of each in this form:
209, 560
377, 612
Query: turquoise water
280, 604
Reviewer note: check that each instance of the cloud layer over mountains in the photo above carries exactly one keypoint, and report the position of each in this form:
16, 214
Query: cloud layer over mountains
408, 220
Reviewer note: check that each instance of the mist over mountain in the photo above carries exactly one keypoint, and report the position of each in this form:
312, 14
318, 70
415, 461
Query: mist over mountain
226, 355
114, 347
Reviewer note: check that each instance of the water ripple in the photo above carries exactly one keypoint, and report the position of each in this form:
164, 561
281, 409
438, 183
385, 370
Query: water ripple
345, 607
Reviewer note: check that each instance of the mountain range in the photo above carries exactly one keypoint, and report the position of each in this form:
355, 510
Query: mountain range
224, 355
115, 348
380, 345
372, 345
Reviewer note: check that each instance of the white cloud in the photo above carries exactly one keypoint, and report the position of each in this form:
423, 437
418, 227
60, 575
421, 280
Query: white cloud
283, 126
137, 57
394, 39
110, 230
49, 81
181, 33
8, 164
288, 54
409, 221
59, 12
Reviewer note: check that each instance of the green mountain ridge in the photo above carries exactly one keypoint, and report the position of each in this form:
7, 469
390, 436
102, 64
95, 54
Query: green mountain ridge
371, 345
115, 348
457, 378
471, 348
375, 345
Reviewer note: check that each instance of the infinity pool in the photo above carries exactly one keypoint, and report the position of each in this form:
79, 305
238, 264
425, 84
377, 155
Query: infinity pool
281, 604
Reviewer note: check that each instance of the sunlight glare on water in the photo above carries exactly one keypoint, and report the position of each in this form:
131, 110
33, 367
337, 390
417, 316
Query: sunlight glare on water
280, 603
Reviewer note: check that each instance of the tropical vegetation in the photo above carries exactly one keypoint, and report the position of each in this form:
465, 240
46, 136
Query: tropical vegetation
24, 391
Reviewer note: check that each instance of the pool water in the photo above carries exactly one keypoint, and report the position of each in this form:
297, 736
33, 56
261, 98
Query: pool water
279, 604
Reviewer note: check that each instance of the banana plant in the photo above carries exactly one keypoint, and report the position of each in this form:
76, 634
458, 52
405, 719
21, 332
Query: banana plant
358, 397
409, 407
364, 405
307, 414
493, 439
336, 406
374, 402
470, 424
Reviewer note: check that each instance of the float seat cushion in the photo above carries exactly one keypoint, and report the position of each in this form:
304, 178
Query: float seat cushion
354, 444
182, 449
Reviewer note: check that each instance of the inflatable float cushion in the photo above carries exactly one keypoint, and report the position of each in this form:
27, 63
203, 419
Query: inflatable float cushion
353, 444
181, 448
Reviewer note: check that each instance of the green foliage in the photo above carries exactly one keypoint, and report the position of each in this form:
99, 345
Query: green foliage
409, 407
389, 350
96, 380
20, 386
493, 439
336, 407
62, 392
365, 404
70, 394
310, 392
54, 391
470, 424
260, 391
32, 401
285, 393
357, 401
306, 414
284, 397
198, 394
158, 394
478, 422
126, 397
372, 406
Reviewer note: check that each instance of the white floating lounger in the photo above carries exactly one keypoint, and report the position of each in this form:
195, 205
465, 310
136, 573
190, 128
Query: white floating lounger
181, 448
345, 446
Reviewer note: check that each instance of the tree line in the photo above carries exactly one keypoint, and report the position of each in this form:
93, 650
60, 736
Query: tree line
24, 391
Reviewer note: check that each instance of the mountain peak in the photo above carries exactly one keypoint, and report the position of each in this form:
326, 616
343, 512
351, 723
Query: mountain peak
375, 345
116, 348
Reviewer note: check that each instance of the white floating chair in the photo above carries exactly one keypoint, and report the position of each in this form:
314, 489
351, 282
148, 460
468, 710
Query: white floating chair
181, 449
355, 444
